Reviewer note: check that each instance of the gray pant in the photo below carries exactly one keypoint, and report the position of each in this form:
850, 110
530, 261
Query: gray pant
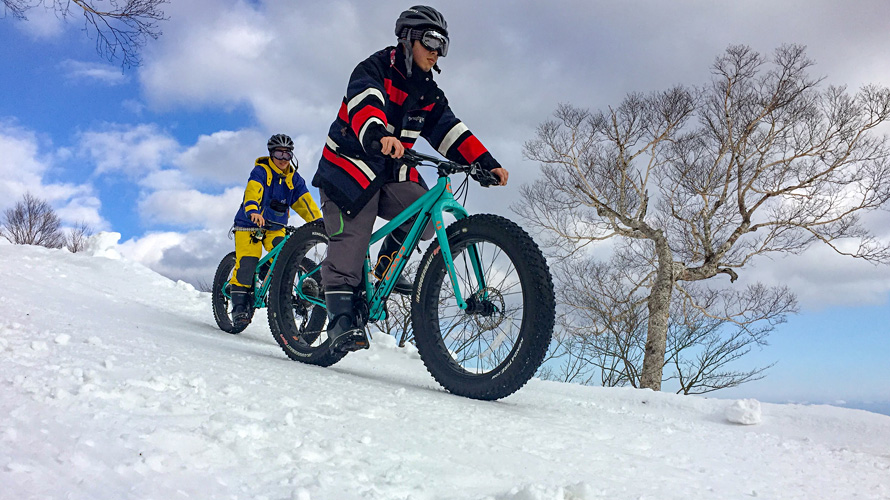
350, 237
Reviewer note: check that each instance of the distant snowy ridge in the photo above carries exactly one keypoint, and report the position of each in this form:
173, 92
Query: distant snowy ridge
116, 384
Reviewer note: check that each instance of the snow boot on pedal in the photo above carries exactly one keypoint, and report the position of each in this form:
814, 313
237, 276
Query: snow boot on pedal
343, 334
240, 307
388, 252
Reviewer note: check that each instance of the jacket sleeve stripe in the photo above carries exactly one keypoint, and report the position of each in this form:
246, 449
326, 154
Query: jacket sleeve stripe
355, 101
450, 137
363, 117
363, 167
471, 149
371, 120
408, 174
348, 167
306, 208
253, 196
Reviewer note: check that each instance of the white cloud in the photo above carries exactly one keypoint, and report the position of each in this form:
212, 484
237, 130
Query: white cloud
133, 106
103, 73
191, 256
26, 161
225, 157
822, 278
223, 56
161, 180
18, 148
279, 58
149, 248
83, 209
191, 208
131, 149
41, 23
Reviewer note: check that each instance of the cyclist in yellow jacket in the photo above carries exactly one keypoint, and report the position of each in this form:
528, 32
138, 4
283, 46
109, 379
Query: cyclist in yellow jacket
273, 189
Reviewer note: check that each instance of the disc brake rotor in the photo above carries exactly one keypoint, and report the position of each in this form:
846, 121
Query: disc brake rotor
490, 309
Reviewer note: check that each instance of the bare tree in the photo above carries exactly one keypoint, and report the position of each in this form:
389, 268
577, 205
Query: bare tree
78, 236
603, 330
33, 221
759, 161
202, 285
703, 348
398, 312
398, 319
121, 27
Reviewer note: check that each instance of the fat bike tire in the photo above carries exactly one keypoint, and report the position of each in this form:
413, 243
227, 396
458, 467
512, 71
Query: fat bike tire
491, 349
221, 300
298, 325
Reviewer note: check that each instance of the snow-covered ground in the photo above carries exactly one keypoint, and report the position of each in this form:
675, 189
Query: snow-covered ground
116, 384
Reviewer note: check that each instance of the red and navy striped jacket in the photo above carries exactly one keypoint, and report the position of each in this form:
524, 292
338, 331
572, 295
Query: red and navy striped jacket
381, 101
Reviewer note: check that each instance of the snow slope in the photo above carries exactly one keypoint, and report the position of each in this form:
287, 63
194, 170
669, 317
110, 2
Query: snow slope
116, 384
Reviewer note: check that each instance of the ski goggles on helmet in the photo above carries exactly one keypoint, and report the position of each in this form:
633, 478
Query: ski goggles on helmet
282, 154
434, 41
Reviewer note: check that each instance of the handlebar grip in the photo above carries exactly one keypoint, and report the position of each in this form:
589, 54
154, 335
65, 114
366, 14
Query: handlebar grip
377, 146
273, 223
486, 178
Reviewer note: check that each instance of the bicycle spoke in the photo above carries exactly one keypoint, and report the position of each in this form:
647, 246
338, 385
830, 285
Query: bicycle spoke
479, 343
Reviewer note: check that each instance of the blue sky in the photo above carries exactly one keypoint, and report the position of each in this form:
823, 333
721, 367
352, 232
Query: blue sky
160, 153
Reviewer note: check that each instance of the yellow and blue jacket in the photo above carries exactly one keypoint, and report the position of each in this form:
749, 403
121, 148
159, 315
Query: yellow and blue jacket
270, 192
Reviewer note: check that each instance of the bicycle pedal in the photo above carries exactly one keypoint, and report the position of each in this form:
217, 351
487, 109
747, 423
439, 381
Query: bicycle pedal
352, 344
359, 345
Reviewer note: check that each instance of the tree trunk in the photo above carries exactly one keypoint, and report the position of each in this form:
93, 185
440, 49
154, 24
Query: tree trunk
659, 313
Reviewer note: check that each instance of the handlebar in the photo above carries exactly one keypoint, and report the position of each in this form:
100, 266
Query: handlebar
287, 229
446, 167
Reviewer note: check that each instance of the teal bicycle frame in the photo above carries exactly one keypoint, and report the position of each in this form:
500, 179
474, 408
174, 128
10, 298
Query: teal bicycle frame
429, 207
261, 288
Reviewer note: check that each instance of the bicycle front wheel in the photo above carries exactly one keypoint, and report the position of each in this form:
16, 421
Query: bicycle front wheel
494, 346
296, 319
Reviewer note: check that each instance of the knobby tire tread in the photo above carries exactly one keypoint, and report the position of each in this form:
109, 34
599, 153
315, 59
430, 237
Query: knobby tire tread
280, 311
218, 298
539, 305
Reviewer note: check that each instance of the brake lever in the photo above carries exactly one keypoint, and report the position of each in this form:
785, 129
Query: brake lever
485, 178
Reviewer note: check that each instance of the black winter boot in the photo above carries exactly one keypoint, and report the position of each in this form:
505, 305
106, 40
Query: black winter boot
240, 307
388, 252
344, 335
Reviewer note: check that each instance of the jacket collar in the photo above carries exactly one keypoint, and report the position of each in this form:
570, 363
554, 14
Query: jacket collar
266, 161
271, 169
399, 62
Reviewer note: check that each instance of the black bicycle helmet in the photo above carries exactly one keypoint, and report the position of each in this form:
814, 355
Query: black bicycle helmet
420, 17
279, 141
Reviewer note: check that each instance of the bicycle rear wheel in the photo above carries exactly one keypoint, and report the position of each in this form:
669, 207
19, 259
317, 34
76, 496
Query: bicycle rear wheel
492, 348
221, 298
297, 323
